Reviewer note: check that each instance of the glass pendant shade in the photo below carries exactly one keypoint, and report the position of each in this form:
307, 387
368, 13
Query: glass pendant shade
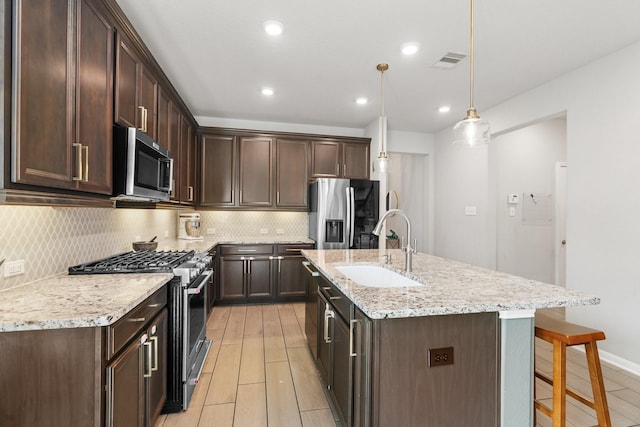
382, 162
472, 131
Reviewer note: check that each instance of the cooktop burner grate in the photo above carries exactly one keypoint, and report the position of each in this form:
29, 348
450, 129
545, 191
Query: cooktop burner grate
135, 262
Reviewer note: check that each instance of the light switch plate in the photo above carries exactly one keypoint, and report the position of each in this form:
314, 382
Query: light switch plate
470, 210
512, 199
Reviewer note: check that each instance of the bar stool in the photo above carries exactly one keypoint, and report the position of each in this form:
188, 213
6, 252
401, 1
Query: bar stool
562, 335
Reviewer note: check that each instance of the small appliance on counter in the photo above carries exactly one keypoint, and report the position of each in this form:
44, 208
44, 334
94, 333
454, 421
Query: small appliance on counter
189, 226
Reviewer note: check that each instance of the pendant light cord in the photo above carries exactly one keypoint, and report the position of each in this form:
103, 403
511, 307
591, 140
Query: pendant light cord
471, 59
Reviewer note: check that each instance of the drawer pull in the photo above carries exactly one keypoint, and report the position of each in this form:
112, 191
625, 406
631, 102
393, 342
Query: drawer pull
247, 250
334, 298
154, 305
306, 265
136, 319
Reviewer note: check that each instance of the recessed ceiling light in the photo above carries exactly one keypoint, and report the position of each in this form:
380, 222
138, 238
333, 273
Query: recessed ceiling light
361, 100
273, 28
267, 91
410, 48
444, 109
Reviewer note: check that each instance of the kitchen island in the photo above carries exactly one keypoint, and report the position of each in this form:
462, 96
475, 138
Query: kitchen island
455, 350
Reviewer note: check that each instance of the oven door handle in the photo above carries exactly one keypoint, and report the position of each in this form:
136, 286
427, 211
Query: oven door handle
207, 274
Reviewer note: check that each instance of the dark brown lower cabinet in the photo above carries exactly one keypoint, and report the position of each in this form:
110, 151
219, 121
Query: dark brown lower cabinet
378, 372
245, 273
100, 376
261, 273
137, 379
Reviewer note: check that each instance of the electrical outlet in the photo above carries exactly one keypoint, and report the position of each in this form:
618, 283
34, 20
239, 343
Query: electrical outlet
440, 356
264, 230
279, 230
166, 233
211, 231
13, 268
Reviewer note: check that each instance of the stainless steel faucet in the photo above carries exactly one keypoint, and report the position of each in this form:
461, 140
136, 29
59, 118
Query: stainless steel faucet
408, 249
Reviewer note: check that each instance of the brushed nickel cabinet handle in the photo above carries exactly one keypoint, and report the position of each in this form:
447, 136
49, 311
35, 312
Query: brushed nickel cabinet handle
190, 191
136, 319
78, 147
147, 365
86, 163
338, 169
141, 108
154, 366
351, 337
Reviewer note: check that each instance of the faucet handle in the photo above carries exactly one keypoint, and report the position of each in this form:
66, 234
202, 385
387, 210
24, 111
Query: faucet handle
414, 249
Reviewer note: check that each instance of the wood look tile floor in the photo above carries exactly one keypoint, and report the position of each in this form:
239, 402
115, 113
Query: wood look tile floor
259, 372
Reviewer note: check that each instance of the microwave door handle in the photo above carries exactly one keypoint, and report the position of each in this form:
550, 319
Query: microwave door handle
170, 175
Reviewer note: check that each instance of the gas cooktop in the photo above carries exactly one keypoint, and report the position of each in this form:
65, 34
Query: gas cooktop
135, 262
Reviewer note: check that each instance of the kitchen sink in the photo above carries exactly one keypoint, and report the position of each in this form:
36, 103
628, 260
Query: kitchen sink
375, 276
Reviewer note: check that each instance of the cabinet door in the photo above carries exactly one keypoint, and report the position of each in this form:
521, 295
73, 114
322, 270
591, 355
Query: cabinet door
325, 330
292, 277
355, 160
94, 99
361, 326
125, 388
187, 162
292, 175
174, 150
157, 383
341, 368
126, 105
256, 171
232, 278
259, 278
162, 123
147, 101
325, 159
44, 92
217, 180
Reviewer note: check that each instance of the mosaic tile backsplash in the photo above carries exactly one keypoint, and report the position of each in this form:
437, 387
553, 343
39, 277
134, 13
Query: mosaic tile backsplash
50, 240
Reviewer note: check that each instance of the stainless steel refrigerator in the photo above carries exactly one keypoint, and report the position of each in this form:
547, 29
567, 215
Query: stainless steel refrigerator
343, 213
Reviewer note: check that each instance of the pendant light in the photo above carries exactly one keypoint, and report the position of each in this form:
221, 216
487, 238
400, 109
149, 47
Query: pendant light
473, 130
382, 162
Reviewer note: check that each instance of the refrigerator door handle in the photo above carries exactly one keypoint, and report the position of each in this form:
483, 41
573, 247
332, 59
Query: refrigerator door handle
351, 215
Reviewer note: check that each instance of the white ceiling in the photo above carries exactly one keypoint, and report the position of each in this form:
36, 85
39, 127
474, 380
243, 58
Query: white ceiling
218, 57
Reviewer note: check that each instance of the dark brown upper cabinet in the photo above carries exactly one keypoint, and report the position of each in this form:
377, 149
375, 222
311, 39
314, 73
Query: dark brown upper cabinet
256, 171
338, 159
187, 169
63, 86
292, 173
136, 91
218, 171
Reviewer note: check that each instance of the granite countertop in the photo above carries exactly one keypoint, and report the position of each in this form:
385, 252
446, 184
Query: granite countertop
64, 301
451, 287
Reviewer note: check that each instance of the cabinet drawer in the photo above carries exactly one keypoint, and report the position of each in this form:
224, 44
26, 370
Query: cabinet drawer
128, 326
341, 303
246, 250
293, 249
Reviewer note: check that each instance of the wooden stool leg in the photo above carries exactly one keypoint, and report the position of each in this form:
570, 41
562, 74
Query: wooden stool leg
597, 384
559, 384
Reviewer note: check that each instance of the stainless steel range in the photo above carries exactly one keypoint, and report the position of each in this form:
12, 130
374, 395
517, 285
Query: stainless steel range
187, 295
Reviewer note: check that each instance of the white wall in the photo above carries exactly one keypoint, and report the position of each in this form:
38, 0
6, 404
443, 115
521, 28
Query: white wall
524, 164
603, 153
415, 151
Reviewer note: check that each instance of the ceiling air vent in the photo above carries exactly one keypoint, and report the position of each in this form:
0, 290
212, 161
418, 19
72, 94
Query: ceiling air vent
450, 60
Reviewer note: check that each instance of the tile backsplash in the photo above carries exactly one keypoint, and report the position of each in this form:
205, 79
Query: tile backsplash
50, 240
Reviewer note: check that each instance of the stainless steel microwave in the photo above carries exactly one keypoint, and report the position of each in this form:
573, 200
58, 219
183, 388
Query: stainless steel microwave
142, 169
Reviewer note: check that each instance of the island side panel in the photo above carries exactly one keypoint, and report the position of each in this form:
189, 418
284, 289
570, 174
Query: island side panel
516, 370
408, 392
51, 378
